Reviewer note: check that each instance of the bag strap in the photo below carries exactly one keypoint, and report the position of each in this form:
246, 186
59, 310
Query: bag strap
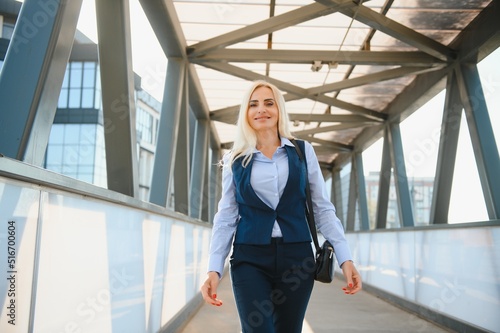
309, 212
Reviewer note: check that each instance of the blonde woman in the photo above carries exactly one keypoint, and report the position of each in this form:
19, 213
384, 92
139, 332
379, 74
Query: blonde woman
262, 216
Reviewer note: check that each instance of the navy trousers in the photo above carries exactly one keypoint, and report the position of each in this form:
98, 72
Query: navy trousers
272, 285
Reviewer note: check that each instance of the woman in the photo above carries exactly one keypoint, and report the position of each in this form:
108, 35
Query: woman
262, 213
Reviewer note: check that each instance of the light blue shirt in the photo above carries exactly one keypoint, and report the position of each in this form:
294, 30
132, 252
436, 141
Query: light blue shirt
268, 179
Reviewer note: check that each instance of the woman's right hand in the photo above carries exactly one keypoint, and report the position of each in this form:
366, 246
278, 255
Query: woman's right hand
209, 289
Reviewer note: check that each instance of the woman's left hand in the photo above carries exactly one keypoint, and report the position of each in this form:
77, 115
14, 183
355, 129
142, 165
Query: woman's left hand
352, 278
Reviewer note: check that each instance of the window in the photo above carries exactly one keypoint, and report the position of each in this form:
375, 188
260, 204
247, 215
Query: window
79, 86
72, 150
144, 125
7, 30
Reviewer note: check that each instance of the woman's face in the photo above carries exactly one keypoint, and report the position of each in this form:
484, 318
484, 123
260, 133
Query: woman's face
263, 111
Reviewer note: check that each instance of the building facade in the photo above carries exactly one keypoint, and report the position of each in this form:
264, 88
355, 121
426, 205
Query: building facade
76, 144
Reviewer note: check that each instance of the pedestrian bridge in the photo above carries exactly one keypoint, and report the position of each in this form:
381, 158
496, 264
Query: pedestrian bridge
93, 260
106, 211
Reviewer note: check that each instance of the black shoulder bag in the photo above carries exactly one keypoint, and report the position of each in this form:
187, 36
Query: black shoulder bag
324, 254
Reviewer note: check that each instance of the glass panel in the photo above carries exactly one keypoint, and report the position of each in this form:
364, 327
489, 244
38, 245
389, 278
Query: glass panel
89, 75
144, 125
54, 167
72, 134
7, 30
54, 155
74, 98
98, 96
86, 177
20, 207
87, 98
86, 169
87, 133
76, 75
86, 155
56, 134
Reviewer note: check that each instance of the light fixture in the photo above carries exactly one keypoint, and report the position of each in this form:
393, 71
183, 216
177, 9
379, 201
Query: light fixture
316, 65
333, 65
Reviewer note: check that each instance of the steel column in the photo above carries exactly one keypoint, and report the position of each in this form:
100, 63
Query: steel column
182, 156
447, 153
206, 188
400, 178
214, 184
198, 170
32, 75
363, 204
117, 80
384, 183
336, 195
167, 132
353, 196
482, 137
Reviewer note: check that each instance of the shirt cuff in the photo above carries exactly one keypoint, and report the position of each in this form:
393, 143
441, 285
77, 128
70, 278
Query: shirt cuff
343, 253
216, 264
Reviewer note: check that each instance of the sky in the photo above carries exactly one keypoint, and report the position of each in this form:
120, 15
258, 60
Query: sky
420, 131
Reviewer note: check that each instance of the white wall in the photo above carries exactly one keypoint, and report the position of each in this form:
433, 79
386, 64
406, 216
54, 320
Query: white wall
97, 266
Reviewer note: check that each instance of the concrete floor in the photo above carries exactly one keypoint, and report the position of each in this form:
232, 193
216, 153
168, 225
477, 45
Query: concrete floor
329, 311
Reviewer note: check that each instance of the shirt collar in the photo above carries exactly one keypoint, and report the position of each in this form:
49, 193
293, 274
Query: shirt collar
284, 142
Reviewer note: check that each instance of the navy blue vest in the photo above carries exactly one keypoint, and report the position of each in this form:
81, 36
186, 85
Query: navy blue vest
257, 218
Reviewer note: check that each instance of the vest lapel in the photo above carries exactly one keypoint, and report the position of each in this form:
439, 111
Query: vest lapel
246, 187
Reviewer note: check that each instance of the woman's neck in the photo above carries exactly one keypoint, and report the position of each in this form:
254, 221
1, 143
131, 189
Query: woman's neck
267, 143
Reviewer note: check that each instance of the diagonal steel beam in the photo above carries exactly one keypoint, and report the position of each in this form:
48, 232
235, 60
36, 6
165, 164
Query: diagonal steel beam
294, 90
381, 76
163, 18
118, 103
32, 75
341, 147
265, 27
229, 114
330, 118
394, 29
419, 92
332, 128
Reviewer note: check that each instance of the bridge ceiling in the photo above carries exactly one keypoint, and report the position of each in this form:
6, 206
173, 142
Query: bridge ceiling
346, 67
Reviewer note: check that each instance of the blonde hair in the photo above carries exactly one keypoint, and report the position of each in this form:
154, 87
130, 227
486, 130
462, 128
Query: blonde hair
245, 141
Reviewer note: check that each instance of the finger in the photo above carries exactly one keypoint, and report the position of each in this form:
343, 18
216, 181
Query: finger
209, 296
213, 300
352, 289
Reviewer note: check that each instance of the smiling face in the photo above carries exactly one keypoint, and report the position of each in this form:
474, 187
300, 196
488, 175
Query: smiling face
263, 113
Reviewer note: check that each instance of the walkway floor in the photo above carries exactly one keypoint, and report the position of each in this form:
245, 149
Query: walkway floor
329, 311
